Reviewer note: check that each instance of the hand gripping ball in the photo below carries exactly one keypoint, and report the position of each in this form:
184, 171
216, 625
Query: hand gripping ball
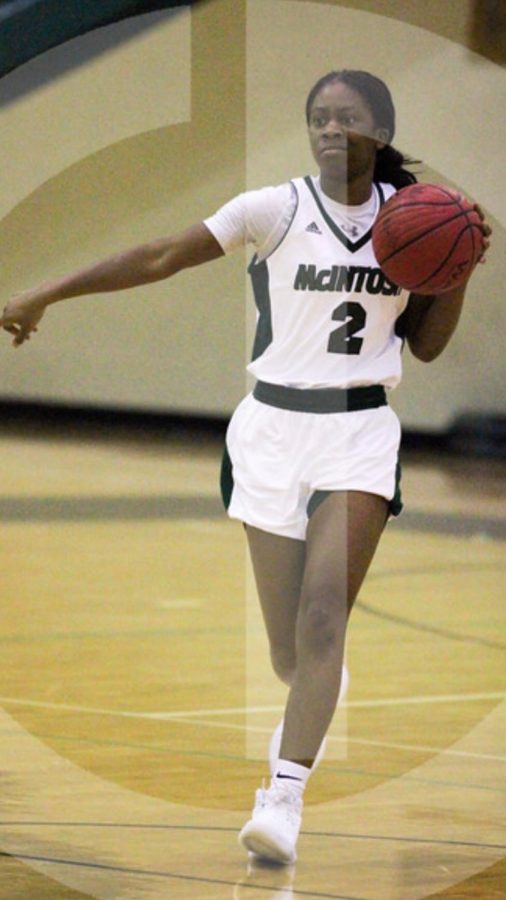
427, 238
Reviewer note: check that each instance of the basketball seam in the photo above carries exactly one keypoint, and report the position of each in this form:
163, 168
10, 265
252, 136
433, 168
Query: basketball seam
456, 210
453, 198
433, 274
472, 226
418, 237
456, 197
469, 227
409, 203
388, 213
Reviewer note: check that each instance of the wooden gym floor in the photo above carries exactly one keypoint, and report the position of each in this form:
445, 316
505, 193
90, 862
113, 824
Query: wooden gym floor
136, 701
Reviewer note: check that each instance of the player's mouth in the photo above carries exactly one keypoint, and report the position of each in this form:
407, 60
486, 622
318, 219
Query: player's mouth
332, 149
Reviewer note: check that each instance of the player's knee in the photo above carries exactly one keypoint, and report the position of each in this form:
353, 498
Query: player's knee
284, 663
323, 623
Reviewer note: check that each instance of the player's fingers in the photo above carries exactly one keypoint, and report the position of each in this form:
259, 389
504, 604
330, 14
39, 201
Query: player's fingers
486, 229
480, 212
6, 317
21, 332
20, 338
482, 257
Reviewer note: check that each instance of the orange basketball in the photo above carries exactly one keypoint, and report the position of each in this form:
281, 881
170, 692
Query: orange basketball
427, 238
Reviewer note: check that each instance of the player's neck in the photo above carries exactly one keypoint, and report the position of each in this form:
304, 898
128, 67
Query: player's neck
350, 193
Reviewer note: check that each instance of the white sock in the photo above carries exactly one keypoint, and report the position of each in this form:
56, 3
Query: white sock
290, 773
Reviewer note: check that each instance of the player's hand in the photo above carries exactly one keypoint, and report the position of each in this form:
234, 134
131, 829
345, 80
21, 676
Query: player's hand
485, 230
21, 315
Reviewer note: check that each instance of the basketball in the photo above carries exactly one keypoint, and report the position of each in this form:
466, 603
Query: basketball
427, 238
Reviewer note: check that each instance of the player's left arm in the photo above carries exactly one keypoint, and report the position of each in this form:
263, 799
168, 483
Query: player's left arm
430, 320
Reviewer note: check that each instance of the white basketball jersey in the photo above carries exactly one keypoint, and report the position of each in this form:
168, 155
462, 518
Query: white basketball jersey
326, 313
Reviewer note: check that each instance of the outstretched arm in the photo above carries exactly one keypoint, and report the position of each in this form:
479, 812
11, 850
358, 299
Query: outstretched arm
144, 264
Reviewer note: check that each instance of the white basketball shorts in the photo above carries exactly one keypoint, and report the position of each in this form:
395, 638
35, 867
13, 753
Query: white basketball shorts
278, 459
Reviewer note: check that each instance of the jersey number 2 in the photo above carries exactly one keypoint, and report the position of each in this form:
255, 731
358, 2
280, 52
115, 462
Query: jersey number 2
342, 339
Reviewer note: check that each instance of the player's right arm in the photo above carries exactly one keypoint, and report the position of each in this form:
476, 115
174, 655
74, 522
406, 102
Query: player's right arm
140, 265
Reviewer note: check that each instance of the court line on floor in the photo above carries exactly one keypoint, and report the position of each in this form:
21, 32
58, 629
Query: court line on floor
233, 726
192, 718
173, 876
342, 769
167, 826
65, 773
161, 715
429, 629
349, 704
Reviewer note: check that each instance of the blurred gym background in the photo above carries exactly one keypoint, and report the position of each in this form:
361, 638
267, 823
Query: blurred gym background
126, 119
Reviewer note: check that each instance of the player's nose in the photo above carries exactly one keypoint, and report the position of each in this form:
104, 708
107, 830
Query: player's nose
333, 128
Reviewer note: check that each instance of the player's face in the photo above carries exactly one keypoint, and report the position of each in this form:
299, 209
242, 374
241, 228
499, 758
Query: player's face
343, 135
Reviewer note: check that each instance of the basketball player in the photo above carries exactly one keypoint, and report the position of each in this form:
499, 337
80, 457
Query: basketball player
311, 467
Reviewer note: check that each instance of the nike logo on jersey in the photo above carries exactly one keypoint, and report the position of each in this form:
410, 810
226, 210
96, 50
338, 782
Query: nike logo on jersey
290, 777
313, 228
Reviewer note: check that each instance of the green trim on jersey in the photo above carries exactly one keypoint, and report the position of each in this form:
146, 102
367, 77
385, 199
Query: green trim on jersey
350, 245
260, 280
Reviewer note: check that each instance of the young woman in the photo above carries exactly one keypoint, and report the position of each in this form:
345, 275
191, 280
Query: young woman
311, 467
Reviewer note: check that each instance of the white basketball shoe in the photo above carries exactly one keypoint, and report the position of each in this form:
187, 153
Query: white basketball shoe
275, 742
274, 827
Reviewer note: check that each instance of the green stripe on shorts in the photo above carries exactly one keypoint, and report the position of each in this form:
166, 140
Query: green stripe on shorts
226, 478
396, 503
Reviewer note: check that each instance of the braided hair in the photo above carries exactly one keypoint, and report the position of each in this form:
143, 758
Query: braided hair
389, 161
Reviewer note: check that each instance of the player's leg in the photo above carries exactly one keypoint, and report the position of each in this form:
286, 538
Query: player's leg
278, 566
342, 536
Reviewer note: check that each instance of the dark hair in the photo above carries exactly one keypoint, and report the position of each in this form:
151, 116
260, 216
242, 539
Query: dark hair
389, 161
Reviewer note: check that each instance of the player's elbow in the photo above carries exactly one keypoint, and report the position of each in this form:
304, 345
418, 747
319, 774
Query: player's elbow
162, 259
426, 351
428, 356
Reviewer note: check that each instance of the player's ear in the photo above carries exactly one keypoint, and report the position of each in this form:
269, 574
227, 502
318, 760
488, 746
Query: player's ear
381, 136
